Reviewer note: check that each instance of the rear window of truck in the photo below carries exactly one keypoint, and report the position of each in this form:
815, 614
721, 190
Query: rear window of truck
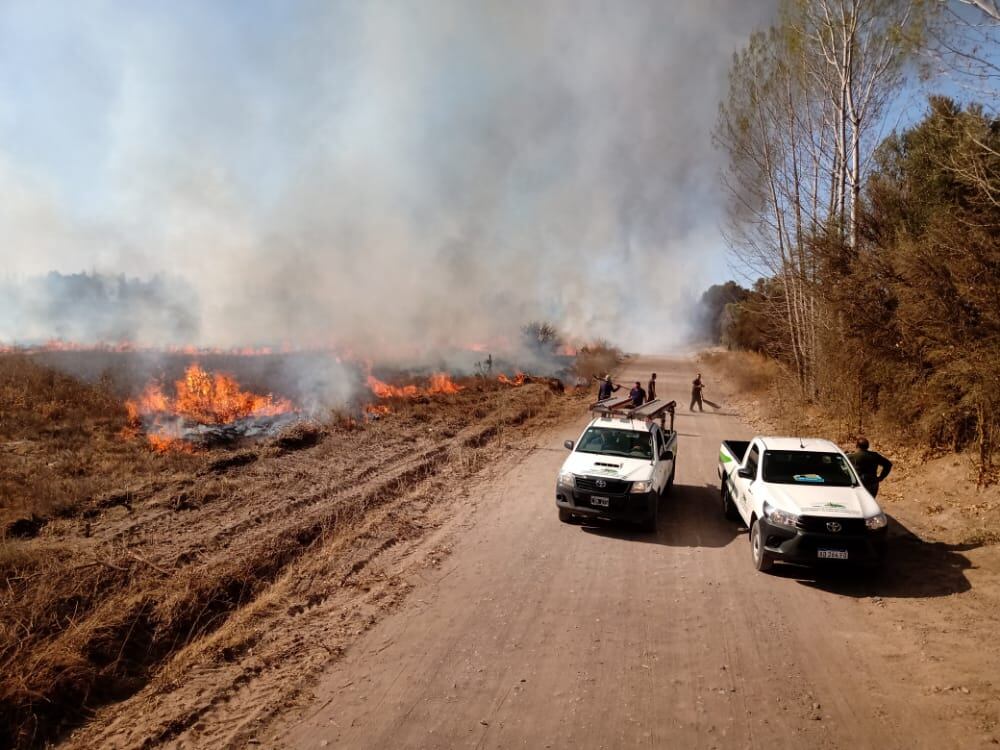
807, 468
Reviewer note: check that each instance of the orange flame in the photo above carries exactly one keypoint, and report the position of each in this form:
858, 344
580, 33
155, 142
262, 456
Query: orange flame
377, 410
518, 379
384, 390
207, 398
439, 383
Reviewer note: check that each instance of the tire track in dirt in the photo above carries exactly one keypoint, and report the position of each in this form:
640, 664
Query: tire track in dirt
344, 574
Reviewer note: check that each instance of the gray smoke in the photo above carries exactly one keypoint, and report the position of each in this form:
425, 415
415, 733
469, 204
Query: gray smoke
396, 178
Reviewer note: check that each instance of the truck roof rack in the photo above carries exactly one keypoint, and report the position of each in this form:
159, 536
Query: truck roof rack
618, 406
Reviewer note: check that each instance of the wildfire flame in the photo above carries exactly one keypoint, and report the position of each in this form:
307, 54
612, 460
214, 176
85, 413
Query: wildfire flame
441, 383
202, 397
518, 379
384, 390
438, 383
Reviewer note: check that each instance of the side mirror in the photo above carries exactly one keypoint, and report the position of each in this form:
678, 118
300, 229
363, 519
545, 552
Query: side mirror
667, 456
569, 445
746, 473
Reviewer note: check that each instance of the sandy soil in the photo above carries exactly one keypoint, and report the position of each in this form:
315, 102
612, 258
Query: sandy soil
533, 633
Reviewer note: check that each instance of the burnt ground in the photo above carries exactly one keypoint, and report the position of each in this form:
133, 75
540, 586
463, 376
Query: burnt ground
164, 587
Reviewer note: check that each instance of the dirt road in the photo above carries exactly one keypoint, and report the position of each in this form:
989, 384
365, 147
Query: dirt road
535, 633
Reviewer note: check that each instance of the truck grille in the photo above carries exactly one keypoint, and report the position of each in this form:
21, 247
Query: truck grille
611, 486
817, 525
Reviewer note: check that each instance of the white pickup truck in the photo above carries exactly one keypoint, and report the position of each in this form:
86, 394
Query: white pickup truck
802, 501
621, 465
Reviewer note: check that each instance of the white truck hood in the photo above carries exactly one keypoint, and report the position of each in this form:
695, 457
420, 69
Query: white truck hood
613, 467
822, 501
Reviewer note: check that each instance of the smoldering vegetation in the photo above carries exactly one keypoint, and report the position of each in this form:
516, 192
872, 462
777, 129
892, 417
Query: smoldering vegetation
122, 568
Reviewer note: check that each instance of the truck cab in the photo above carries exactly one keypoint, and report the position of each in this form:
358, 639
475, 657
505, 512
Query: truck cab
802, 500
619, 468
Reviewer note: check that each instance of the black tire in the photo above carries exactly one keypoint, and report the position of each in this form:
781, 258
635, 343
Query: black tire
761, 560
649, 524
728, 508
669, 486
565, 516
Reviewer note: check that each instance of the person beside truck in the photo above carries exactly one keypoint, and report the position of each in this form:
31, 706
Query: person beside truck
651, 388
607, 389
872, 466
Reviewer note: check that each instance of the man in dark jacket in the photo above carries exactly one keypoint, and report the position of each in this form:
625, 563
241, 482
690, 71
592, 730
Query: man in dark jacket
696, 388
607, 388
651, 388
637, 394
872, 466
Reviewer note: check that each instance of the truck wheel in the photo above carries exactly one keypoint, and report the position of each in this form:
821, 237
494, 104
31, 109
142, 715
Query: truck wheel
761, 560
669, 486
565, 516
649, 524
728, 508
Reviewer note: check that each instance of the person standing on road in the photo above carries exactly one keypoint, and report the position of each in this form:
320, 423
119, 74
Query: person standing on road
651, 388
696, 388
637, 394
872, 466
607, 388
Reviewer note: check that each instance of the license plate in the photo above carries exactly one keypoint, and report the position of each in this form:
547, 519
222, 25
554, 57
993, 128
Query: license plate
832, 554
600, 501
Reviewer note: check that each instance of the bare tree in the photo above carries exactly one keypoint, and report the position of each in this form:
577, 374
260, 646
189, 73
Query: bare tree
800, 125
962, 38
989, 7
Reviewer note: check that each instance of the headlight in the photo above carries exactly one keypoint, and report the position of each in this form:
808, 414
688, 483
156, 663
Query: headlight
642, 486
781, 517
876, 522
567, 479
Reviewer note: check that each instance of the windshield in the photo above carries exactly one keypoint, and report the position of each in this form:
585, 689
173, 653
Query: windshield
806, 467
609, 442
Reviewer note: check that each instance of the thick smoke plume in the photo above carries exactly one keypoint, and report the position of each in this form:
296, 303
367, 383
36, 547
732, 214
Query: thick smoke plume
395, 178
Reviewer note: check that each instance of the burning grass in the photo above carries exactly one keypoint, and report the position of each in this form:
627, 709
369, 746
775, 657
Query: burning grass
201, 398
60, 444
133, 559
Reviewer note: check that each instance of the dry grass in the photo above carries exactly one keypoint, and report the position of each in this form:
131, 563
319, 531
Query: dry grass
596, 360
143, 557
61, 444
749, 372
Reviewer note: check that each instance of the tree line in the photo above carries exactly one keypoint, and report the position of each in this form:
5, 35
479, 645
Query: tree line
876, 248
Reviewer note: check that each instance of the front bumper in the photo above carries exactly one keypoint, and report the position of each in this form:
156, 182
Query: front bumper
633, 506
798, 546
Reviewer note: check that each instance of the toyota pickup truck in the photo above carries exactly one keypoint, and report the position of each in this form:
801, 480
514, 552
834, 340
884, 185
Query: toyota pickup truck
621, 465
802, 501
